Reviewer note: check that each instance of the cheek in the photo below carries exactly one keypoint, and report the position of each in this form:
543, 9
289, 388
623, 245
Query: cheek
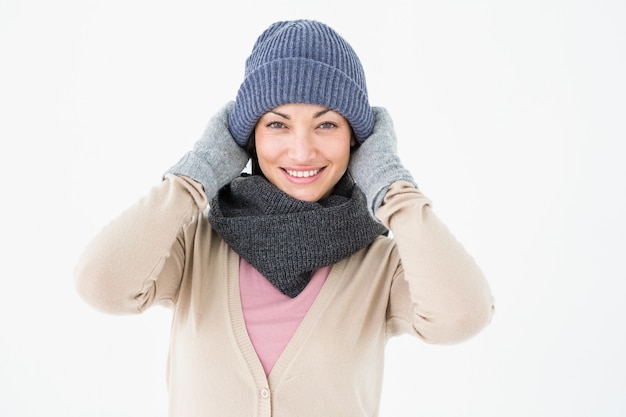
266, 150
342, 152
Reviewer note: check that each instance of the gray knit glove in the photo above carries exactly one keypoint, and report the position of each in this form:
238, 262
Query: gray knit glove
216, 159
375, 165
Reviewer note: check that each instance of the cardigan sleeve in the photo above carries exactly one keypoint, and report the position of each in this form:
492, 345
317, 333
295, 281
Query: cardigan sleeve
137, 259
439, 292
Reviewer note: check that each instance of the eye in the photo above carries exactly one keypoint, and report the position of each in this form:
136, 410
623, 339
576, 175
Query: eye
327, 125
276, 125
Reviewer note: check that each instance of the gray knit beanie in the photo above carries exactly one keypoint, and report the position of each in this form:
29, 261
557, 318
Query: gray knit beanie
301, 61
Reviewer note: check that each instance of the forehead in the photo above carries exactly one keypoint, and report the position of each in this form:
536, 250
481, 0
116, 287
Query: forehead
303, 110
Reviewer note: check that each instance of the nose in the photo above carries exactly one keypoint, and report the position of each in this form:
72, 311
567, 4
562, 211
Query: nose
302, 147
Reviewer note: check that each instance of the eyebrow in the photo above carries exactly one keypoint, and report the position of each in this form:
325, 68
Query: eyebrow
286, 116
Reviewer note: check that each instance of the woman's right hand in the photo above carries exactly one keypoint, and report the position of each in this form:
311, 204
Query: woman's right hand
216, 159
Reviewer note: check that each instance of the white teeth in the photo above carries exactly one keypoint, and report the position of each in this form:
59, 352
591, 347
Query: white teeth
302, 174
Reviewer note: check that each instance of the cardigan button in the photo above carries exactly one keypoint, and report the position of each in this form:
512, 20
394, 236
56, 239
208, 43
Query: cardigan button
265, 393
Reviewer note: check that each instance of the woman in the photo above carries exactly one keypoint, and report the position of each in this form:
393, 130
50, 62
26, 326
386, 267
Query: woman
285, 292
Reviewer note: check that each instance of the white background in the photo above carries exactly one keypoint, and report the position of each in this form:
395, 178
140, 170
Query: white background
510, 114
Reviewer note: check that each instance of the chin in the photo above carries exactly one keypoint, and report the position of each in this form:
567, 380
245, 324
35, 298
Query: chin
311, 197
306, 197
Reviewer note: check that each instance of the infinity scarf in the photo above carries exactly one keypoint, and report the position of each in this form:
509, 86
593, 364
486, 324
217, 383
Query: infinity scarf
287, 239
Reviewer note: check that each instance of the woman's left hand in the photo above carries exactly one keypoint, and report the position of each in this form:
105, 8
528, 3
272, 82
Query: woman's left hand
375, 165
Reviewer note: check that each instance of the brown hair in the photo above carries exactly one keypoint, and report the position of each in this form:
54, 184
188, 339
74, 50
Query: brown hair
251, 149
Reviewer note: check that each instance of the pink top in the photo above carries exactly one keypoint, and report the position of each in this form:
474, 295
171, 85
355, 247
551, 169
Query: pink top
272, 317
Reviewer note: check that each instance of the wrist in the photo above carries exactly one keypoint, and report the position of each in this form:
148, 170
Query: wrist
376, 182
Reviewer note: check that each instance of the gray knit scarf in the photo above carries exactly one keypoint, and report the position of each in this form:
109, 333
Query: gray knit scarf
288, 239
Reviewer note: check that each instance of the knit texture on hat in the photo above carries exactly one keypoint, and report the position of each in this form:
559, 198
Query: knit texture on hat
287, 239
301, 61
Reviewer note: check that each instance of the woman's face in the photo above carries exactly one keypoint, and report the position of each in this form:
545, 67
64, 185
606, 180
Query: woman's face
303, 149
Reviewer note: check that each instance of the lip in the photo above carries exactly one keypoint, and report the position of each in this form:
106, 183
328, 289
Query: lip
302, 175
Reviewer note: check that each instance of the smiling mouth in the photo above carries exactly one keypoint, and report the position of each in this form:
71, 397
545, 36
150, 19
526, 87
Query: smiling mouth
302, 174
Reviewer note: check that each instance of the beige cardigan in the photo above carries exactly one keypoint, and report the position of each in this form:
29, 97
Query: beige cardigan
163, 250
